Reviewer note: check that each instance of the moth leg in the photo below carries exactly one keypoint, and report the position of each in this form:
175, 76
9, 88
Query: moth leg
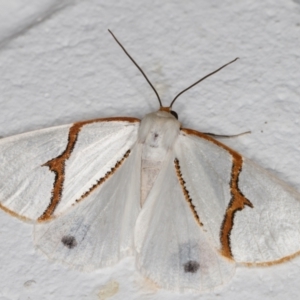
226, 136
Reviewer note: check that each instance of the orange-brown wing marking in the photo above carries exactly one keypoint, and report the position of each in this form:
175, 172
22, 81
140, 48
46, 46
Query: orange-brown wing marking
14, 214
185, 192
57, 164
237, 201
104, 178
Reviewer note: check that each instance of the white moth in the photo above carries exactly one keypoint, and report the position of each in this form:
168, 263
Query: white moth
186, 206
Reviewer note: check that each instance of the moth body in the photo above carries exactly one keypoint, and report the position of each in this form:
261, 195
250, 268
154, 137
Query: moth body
157, 134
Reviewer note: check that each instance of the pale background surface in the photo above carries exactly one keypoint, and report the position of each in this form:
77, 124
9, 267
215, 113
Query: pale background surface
59, 65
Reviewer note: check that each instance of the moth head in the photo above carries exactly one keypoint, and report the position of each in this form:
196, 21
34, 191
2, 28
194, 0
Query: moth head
169, 110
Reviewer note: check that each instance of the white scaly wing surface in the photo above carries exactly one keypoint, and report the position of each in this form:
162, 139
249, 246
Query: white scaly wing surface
266, 231
206, 170
270, 231
97, 231
25, 186
173, 250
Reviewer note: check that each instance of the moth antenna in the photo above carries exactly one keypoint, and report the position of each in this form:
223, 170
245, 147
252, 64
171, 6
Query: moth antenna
156, 93
202, 80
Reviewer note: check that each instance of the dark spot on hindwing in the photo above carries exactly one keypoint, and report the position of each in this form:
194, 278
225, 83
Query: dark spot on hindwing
69, 241
191, 266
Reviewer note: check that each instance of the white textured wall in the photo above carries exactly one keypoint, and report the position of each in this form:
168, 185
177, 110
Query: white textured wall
58, 64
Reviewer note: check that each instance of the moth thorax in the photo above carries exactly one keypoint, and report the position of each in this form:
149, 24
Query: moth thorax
159, 129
